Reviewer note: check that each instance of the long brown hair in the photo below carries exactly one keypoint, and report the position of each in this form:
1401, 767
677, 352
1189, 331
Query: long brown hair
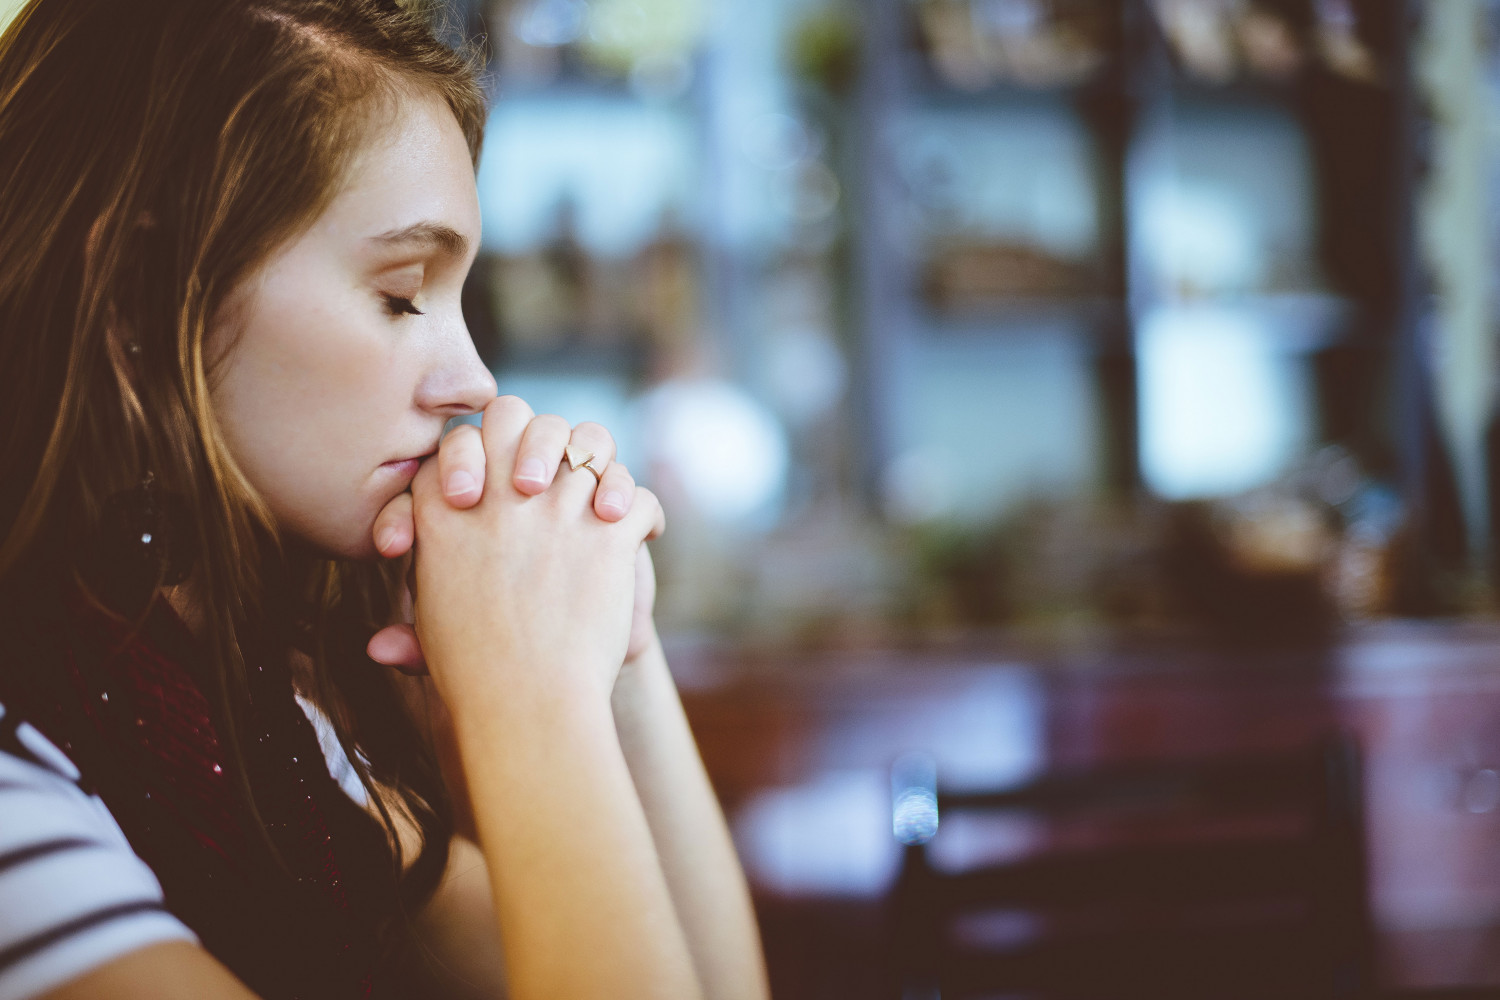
152, 156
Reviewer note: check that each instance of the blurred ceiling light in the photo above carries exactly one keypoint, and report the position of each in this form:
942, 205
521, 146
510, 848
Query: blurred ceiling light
723, 449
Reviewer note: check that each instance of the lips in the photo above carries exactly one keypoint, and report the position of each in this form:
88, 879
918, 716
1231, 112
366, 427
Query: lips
406, 468
404, 461
428, 453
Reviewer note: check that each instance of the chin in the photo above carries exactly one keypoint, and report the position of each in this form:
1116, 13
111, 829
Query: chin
338, 531
342, 550
366, 552
359, 544
338, 542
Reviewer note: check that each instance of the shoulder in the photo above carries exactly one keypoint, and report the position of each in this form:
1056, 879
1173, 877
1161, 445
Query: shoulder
73, 895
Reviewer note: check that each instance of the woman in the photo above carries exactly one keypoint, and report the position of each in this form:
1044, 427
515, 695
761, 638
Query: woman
232, 240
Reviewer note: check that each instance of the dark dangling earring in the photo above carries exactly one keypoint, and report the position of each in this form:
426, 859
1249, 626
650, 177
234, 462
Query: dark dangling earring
143, 544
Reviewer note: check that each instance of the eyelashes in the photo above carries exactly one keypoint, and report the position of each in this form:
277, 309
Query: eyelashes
396, 305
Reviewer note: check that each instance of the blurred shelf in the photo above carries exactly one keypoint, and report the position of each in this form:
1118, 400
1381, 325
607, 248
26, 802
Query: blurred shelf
1300, 321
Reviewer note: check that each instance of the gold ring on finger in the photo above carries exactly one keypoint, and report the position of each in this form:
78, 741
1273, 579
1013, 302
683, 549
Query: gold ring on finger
579, 458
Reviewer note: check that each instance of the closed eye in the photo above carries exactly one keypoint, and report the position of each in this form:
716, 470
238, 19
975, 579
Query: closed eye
399, 306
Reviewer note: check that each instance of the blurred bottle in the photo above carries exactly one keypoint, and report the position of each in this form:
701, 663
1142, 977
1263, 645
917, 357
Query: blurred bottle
665, 291
545, 298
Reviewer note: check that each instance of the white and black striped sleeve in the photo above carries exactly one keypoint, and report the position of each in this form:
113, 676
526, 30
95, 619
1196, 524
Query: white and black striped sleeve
73, 895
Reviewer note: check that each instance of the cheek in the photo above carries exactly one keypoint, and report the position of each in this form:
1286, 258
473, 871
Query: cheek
286, 340
302, 398
286, 381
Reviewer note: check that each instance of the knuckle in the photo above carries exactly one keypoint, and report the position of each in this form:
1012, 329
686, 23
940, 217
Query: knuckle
593, 430
464, 438
471, 450
507, 406
462, 434
551, 423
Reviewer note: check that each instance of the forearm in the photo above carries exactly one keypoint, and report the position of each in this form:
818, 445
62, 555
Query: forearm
577, 886
692, 839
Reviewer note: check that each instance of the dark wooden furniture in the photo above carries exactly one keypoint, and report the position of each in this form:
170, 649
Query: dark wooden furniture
1228, 878
1423, 700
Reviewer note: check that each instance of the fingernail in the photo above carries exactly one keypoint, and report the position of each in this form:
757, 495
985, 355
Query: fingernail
613, 500
532, 471
459, 483
385, 538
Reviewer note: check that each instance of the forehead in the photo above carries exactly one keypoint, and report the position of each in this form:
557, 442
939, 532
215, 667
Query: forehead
414, 170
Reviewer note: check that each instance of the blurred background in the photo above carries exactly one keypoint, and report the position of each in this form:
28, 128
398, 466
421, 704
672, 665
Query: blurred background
931, 315
1036, 388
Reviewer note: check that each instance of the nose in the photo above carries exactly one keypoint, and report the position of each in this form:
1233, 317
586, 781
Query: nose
457, 382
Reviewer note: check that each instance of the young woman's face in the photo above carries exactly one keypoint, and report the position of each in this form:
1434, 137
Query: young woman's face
347, 351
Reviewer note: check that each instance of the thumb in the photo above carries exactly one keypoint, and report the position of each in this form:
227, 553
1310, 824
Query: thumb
397, 646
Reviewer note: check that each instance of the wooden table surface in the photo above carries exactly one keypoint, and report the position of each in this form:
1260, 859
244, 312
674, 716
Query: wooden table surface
799, 745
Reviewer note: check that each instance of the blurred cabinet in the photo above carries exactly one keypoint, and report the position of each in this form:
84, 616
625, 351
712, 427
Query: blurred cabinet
924, 269
1182, 226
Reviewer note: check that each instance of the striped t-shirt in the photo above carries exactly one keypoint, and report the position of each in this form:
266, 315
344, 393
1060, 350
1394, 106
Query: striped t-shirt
73, 894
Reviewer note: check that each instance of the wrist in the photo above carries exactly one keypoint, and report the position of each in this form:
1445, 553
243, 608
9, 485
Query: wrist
639, 689
514, 701
648, 647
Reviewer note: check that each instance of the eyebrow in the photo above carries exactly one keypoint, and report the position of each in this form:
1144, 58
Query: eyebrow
430, 235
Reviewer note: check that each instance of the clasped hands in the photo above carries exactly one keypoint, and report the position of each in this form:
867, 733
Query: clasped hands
520, 555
